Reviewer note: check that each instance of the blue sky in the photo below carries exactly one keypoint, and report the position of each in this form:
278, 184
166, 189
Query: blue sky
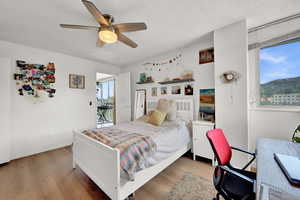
280, 62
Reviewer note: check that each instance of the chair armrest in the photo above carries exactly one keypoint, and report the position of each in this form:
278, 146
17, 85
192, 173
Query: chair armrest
241, 150
237, 174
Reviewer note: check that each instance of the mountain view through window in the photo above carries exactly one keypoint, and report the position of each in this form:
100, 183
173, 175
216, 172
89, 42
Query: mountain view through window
280, 75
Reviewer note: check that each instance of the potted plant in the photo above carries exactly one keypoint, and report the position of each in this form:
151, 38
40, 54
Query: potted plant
295, 138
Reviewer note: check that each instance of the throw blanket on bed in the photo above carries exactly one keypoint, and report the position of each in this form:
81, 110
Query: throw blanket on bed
134, 148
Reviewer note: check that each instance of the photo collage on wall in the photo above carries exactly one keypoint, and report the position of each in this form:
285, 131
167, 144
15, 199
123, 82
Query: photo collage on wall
34, 78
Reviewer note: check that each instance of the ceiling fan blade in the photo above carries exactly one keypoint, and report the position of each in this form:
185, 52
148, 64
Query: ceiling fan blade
95, 12
126, 40
100, 43
79, 27
130, 27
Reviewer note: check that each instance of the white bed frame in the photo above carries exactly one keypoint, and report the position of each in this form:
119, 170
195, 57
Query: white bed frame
102, 163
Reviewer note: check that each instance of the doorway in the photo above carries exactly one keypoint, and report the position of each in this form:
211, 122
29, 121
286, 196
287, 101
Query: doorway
105, 98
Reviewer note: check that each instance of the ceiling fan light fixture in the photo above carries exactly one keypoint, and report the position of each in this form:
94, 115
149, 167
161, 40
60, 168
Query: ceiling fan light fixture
108, 36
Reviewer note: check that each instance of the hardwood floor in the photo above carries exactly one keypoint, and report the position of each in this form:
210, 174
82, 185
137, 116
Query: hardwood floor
49, 176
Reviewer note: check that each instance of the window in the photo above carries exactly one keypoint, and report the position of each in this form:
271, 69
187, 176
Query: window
280, 75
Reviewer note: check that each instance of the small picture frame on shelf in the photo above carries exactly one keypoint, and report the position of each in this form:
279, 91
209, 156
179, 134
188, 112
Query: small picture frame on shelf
163, 90
188, 89
154, 91
176, 89
206, 56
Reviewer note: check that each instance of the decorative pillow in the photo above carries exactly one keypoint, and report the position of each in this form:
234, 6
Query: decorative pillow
163, 105
171, 116
156, 118
145, 118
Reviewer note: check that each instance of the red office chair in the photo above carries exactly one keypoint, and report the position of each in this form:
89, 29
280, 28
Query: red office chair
231, 183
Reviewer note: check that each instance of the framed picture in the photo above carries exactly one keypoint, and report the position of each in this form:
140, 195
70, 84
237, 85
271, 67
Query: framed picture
163, 90
207, 105
154, 92
206, 56
188, 89
176, 89
76, 81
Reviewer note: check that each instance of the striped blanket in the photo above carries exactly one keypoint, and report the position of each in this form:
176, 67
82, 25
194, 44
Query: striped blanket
134, 148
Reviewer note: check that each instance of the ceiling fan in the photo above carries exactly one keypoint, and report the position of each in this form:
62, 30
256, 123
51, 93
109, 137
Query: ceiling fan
108, 32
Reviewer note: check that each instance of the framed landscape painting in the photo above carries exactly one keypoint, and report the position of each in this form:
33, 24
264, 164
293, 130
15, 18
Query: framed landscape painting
76, 81
207, 105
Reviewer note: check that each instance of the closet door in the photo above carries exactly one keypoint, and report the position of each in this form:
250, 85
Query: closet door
5, 109
123, 98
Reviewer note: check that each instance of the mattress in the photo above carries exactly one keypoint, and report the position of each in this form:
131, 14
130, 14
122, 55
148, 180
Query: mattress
169, 138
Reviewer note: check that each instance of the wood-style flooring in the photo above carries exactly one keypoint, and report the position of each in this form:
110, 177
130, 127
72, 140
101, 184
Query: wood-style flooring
49, 176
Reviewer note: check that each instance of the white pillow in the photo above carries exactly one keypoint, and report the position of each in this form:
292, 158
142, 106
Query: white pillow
163, 105
169, 107
171, 115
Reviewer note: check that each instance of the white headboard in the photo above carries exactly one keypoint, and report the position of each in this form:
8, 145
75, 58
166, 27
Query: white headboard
185, 106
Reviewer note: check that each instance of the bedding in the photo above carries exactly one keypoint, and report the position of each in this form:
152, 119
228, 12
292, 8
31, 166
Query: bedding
169, 137
133, 147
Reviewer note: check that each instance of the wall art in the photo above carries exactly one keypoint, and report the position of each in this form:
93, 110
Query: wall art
76, 81
176, 89
154, 92
206, 56
188, 90
31, 79
163, 90
166, 61
207, 105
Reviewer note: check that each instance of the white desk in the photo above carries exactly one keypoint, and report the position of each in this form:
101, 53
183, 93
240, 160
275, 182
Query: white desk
269, 174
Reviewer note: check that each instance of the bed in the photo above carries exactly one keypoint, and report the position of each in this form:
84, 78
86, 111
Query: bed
102, 163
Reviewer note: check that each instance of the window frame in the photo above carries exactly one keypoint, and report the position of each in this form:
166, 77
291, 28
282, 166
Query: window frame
257, 105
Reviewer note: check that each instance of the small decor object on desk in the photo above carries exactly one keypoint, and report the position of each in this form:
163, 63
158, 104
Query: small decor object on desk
163, 90
188, 90
31, 79
206, 56
207, 105
176, 89
154, 92
295, 138
76, 81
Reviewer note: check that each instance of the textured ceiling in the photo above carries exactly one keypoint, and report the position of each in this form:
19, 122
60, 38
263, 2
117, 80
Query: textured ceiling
171, 23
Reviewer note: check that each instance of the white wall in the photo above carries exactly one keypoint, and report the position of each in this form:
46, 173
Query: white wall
203, 74
231, 47
5, 109
37, 127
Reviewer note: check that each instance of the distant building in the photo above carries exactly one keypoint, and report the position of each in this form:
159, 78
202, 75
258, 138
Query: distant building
287, 99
